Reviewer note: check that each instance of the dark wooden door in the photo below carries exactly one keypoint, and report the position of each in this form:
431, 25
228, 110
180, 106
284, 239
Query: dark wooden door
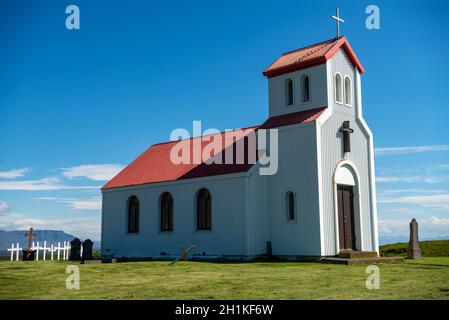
346, 217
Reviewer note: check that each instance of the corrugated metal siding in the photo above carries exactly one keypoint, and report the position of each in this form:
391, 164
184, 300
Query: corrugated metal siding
228, 210
258, 218
296, 173
332, 153
318, 97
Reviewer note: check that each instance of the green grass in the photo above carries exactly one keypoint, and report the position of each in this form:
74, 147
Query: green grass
430, 261
209, 280
437, 248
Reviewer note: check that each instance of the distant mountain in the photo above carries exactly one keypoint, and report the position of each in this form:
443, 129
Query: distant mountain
51, 236
400, 239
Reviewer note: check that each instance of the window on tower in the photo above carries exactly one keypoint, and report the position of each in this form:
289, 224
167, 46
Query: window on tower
288, 90
338, 89
305, 88
348, 91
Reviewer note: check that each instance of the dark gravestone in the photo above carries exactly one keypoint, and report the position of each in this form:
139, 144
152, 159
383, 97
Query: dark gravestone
28, 255
414, 252
87, 249
75, 250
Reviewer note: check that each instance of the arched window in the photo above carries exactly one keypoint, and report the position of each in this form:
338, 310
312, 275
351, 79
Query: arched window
348, 91
288, 91
166, 212
203, 210
338, 89
305, 88
290, 205
133, 215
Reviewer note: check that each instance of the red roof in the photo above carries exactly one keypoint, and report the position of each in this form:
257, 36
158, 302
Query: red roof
310, 56
154, 165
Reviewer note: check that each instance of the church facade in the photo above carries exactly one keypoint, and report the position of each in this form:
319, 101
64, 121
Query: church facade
320, 201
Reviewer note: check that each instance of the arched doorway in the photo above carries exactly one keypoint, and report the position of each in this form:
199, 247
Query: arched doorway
347, 207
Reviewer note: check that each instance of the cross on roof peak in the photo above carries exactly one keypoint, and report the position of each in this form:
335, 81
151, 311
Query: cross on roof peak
338, 20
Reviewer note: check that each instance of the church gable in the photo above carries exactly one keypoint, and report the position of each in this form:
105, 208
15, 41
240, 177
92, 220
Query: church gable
311, 56
342, 81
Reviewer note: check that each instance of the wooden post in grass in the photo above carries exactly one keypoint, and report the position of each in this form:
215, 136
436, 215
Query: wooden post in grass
182, 254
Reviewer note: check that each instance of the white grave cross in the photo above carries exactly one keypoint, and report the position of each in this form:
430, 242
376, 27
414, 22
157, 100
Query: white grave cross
44, 250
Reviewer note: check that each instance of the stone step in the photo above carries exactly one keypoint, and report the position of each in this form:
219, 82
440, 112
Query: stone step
350, 254
353, 261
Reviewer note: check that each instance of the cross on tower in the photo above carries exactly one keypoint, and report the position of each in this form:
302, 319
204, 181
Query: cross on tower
338, 19
30, 235
346, 130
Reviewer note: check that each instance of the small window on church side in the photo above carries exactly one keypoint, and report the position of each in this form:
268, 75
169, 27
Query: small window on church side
290, 205
133, 215
338, 89
288, 91
203, 210
166, 212
348, 91
305, 88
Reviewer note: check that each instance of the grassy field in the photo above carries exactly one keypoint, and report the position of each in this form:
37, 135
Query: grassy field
436, 248
208, 280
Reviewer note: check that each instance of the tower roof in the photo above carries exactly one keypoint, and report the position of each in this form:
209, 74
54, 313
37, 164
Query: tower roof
310, 56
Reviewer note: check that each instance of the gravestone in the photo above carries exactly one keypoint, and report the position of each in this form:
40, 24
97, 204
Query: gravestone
87, 249
75, 250
28, 255
413, 252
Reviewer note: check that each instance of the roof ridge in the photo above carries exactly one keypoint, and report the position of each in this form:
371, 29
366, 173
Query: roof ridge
309, 46
206, 135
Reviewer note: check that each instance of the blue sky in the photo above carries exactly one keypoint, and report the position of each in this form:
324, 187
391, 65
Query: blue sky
75, 106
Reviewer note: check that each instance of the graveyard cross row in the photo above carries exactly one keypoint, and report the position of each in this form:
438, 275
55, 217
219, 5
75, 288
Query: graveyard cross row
30, 235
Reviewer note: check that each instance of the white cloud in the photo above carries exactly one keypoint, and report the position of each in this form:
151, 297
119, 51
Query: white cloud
405, 210
428, 227
12, 174
439, 202
4, 206
412, 179
96, 172
51, 183
81, 227
408, 150
396, 191
77, 204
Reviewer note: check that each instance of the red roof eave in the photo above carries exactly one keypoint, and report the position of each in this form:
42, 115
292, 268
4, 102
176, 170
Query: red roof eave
341, 43
294, 67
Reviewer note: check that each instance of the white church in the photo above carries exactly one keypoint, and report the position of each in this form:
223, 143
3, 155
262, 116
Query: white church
321, 200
